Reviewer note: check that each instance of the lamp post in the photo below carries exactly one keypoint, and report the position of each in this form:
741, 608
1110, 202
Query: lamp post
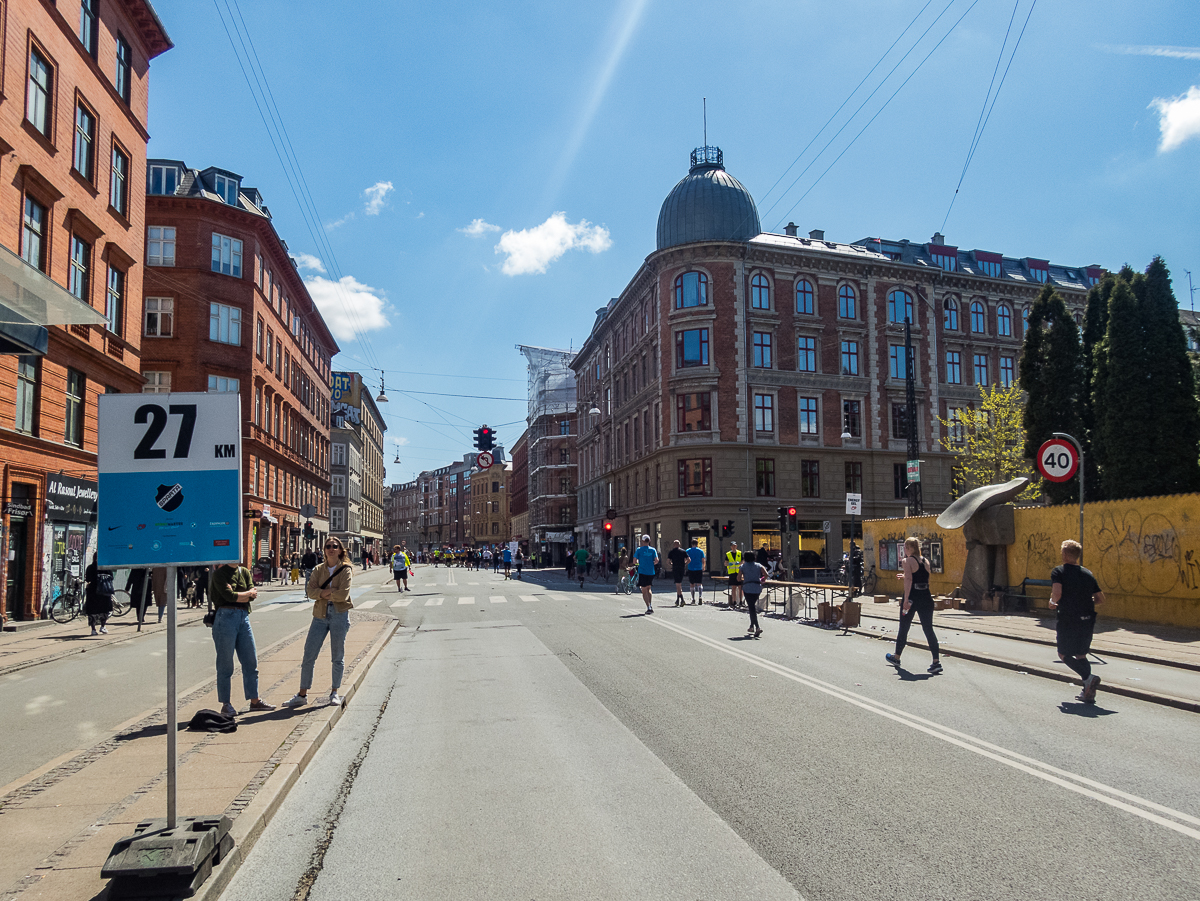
852, 565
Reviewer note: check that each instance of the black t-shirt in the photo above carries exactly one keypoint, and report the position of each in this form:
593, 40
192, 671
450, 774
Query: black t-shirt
678, 557
1078, 586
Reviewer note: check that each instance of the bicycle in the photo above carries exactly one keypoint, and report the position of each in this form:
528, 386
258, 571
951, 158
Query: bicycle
627, 583
68, 605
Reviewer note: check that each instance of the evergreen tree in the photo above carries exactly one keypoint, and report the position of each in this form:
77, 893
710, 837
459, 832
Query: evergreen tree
1052, 376
1095, 324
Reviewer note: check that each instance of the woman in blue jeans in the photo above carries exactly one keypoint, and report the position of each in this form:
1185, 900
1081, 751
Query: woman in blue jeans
232, 589
329, 587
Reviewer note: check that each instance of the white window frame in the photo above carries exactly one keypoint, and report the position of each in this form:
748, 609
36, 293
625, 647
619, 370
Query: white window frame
227, 188
338, 454
219, 384
164, 174
227, 255
156, 382
163, 310
160, 245
225, 322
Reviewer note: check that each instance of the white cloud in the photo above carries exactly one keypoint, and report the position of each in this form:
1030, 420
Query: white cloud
1179, 118
533, 249
349, 307
375, 196
478, 228
1144, 50
338, 223
308, 262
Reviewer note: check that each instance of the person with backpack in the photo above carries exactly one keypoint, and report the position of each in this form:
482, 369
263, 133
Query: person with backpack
400, 568
329, 587
232, 590
97, 596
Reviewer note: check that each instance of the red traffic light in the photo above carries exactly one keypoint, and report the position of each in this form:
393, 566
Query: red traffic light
791, 511
608, 527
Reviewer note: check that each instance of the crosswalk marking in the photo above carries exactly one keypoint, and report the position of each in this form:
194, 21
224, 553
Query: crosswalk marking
529, 599
434, 602
498, 599
466, 600
367, 605
403, 602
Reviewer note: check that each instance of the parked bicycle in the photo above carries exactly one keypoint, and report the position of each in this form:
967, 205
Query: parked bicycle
68, 604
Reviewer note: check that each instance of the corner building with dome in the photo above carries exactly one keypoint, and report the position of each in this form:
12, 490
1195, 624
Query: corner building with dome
720, 383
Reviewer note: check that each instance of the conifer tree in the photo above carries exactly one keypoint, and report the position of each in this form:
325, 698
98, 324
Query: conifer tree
1095, 324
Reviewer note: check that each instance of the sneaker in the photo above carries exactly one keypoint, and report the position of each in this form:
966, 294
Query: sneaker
296, 701
893, 659
935, 668
335, 699
1082, 698
104, 630
757, 632
649, 609
94, 632
1089, 689
260, 704
750, 631
228, 709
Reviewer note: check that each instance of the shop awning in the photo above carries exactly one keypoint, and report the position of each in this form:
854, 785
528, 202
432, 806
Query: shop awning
271, 519
30, 301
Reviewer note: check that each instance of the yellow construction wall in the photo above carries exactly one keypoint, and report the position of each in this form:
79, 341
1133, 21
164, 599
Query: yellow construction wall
1144, 552
877, 531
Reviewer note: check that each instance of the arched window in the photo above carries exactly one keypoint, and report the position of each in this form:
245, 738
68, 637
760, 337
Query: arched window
1024, 321
847, 308
760, 292
1004, 320
950, 314
691, 290
900, 306
804, 297
977, 318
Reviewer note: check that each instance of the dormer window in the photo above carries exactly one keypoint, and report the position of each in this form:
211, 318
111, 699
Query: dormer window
1092, 275
162, 179
227, 188
943, 256
990, 264
1039, 270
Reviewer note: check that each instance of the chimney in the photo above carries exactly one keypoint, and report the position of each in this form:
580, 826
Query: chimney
817, 234
938, 238
790, 229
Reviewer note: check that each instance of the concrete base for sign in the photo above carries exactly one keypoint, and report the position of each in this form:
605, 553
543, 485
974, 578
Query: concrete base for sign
157, 861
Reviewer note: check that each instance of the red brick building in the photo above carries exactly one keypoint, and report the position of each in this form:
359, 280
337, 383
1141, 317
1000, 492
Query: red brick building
74, 89
226, 310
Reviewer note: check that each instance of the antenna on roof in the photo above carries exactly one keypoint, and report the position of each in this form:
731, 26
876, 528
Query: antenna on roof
1191, 290
705, 101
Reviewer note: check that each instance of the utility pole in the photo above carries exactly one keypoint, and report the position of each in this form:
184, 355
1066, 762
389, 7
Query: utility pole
913, 491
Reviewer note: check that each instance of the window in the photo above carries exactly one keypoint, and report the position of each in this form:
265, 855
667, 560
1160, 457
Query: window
26, 393
495, 528
849, 358
854, 481
804, 297
1039, 273
691, 348
765, 477
977, 317
899, 306
163, 179
956, 430
691, 290
897, 361
695, 477
764, 412
564, 456
156, 383
124, 73
218, 384
227, 188
695, 414
1024, 321
899, 480
89, 19
1006, 372
335, 518
37, 98
84, 160
160, 245
160, 317
76, 399
1004, 321
810, 478
946, 261
806, 356
808, 416
981, 369
900, 421
950, 314
114, 301
847, 307
33, 248
953, 367
224, 324
118, 186
760, 293
226, 255
990, 268
78, 275
852, 417
339, 455
762, 350
564, 427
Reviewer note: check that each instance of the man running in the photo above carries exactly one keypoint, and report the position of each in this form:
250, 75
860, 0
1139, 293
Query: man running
695, 569
647, 560
400, 568
1075, 592
679, 560
581, 562
507, 554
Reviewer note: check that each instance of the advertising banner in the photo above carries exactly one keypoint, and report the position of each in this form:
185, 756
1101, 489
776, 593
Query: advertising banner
347, 398
71, 500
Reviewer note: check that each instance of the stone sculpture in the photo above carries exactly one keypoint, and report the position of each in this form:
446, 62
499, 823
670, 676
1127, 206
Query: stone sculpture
988, 528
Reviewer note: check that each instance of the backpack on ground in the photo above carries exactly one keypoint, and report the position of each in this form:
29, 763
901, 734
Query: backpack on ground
211, 721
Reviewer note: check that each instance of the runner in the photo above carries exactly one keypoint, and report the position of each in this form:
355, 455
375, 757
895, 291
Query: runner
1075, 592
400, 568
753, 574
647, 559
679, 561
918, 601
581, 560
696, 570
507, 562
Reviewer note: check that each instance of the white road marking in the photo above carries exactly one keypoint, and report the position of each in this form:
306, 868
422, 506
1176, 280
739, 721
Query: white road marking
1106, 794
434, 602
403, 602
466, 600
367, 605
498, 599
529, 599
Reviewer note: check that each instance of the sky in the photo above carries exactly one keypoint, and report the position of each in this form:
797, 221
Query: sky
458, 179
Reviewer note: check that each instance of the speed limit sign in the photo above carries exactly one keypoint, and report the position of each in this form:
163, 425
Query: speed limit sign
1057, 460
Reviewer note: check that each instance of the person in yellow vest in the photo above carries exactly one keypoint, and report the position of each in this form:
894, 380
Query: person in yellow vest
733, 568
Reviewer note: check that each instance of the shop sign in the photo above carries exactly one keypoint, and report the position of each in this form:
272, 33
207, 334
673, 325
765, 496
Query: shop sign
71, 500
18, 508
558, 536
697, 527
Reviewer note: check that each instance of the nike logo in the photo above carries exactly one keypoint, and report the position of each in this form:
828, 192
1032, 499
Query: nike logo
110, 528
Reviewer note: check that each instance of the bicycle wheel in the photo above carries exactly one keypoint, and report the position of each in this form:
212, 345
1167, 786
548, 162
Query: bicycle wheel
121, 603
63, 609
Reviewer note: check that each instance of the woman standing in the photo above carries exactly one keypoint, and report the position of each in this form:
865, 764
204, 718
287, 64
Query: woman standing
918, 601
329, 587
97, 599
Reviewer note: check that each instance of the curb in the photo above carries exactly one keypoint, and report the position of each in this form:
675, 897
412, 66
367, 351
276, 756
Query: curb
266, 802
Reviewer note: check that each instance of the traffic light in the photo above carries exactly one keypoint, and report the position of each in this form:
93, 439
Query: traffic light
607, 528
716, 526
727, 529
308, 531
783, 522
791, 518
486, 438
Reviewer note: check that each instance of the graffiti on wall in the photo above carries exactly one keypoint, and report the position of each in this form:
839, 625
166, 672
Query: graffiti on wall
1143, 553
1041, 555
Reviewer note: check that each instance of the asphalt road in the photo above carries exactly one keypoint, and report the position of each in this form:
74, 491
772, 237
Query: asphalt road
514, 742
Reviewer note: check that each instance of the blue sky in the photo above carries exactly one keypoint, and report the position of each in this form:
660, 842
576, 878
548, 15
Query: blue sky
489, 175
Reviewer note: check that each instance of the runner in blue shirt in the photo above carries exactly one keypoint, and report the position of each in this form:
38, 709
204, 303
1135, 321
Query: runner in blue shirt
647, 559
695, 569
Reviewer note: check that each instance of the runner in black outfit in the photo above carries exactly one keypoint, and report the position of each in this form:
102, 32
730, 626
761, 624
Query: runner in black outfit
1075, 592
679, 559
918, 600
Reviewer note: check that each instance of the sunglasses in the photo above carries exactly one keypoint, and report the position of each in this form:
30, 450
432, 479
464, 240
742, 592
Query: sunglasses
332, 547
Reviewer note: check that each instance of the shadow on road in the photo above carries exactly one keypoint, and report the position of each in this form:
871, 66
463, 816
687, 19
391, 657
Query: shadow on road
1089, 711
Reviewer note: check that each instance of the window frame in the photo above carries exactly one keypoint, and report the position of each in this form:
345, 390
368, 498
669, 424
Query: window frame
701, 290
1004, 321
806, 297
231, 385
158, 312
84, 144
850, 353
25, 402
980, 362
35, 89
118, 181
954, 367
123, 69
222, 318
1007, 373
114, 300
764, 476
703, 406
38, 231
854, 476
897, 361
89, 26
950, 314
806, 354
79, 268
847, 302
695, 465
978, 318
681, 359
804, 414
760, 292
227, 256
162, 243
810, 478
155, 381
75, 407
852, 417
764, 413
893, 307
762, 350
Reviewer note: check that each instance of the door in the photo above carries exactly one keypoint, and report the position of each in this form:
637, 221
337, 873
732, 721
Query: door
14, 588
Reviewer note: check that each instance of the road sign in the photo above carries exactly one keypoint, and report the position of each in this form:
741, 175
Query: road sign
170, 479
484, 460
308, 511
854, 504
914, 471
826, 526
1057, 460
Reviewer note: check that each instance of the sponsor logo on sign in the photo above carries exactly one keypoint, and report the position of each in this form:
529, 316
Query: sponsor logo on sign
221, 542
213, 524
169, 496
141, 525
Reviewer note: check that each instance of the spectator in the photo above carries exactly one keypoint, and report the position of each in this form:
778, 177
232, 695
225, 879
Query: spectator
329, 587
97, 596
232, 591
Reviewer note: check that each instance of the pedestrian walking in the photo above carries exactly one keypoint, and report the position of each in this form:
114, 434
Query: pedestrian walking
695, 570
138, 587
918, 601
307, 564
752, 574
647, 560
200, 585
97, 597
232, 591
570, 565
400, 568
1074, 592
295, 569
329, 588
678, 559
519, 560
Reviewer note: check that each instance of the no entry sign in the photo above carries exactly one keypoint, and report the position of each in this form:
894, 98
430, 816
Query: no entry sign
1057, 460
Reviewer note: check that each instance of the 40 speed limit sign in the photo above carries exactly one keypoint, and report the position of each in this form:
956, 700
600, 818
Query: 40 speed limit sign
1057, 460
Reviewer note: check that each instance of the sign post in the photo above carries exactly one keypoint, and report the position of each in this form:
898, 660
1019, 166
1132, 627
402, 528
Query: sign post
1058, 459
854, 508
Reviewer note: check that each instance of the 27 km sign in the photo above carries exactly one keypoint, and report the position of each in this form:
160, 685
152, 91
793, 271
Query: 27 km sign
1057, 460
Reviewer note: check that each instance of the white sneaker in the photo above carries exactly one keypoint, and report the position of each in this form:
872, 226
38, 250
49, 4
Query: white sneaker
296, 701
335, 699
103, 630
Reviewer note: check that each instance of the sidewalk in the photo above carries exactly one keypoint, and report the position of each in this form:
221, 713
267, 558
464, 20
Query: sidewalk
61, 821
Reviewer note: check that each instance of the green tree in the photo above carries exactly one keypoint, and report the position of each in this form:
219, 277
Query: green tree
1052, 376
988, 442
1095, 324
